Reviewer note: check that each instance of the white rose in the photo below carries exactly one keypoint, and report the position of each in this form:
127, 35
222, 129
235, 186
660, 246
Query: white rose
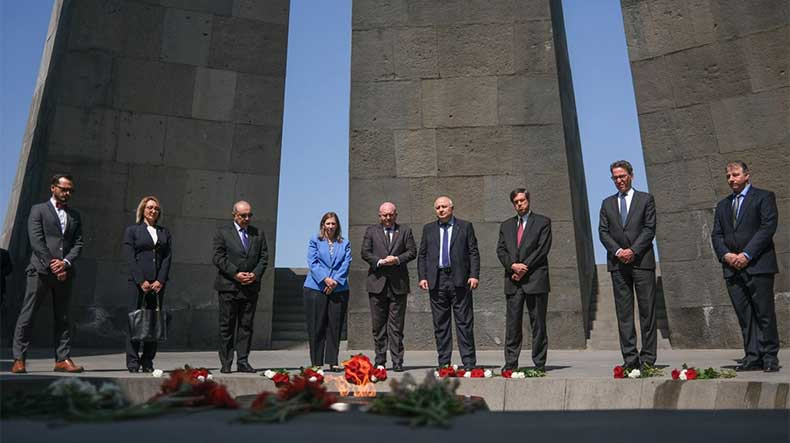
435, 373
683, 375
379, 367
519, 375
468, 374
373, 379
209, 377
201, 378
320, 372
455, 367
312, 379
269, 373
158, 373
634, 374
488, 373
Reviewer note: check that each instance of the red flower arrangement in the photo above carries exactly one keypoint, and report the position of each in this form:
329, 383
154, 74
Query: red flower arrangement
619, 372
313, 374
278, 376
454, 371
296, 397
684, 374
446, 371
360, 370
193, 387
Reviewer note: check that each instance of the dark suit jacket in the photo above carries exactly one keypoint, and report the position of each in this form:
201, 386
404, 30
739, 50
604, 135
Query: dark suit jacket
147, 261
230, 257
46, 239
464, 256
637, 234
753, 231
5, 269
533, 252
374, 248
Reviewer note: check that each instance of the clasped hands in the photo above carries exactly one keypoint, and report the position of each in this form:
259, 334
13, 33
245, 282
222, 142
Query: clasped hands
331, 284
389, 260
519, 271
736, 261
147, 286
472, 282
626, 255
58, 267
245, 278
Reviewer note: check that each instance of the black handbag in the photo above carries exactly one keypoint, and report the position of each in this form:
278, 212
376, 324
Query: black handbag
148, 324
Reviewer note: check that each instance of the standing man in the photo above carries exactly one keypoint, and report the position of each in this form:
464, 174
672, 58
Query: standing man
523, 249
744, 225
241, 256
387, 247
449, 268
55, 233
626, 229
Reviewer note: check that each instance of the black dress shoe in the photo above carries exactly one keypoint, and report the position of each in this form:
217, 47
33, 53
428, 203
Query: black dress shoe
225, 370
133, 370
743, 367
335, 368
244, 367
509, 368
771, 367
397, 368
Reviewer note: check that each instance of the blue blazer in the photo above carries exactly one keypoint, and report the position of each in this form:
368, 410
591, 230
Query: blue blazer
322, 265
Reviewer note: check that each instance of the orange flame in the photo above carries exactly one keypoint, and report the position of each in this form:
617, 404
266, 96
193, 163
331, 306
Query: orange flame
346, 389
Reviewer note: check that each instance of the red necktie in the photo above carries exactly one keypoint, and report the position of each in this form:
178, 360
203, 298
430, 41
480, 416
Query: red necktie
60, 205
520, 232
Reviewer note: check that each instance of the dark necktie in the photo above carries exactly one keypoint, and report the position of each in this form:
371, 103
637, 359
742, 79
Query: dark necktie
623, 209
736, 206
388, 236
60, 205
245, 241
520, 232
445, 245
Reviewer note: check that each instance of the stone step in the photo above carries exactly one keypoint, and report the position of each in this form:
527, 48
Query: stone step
288, 326
289, 335
284, 316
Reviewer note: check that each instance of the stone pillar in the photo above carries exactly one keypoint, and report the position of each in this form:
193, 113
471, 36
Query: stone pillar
471, 99
711, 83
178, 99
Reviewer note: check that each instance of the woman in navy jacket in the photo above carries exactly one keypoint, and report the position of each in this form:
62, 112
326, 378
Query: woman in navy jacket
326, 291
147, 249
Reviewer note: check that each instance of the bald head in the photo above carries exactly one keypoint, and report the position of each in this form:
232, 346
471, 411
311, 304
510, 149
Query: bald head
242, 213
388, 214
444, 208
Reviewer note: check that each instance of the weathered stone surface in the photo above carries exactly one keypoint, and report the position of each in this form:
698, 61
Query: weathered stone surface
534, 47
766, 55
272, 11
666, 135
262, 192
218, 7
736, 18
541, 394
215, 92
168, 184
461, 101
586, 394
210, 194
89, 79
371, 153
250, 46
472, 50
415, 153
187, 37
158, 88
664, 26
141, 138
751, 121
368, 195
127, 28
497, 191
198, 144
259, 100
475, 151
392, 104
528, 100
256, 150
652, 85
80, 134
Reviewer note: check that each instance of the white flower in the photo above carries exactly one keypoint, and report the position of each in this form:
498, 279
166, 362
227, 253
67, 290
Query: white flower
201, 378
455, 367
380, 367
468, 374
683, 375
269, 373
320, 372
312, 379
435, 373
373, 378
209, 377
158, 373
519, 374
634, 374
488, 373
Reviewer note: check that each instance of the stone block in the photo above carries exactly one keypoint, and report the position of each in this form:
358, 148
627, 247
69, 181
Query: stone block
372, 55
417, 331
259, 100
542, 148
218, 7
83, 288
371, 153
415, 53
261, 191
534, 395
141, 138
636, 17
529, 99
199, 144
83, 134
751, 121
202, 333
490, 330
496, 189
563, 244
738, 18
415, 152
652, 85
736, 395
564, 295
685, 235
566, 329
475, 50
463, 191
494, 391
89, 78
192, 239
359, 331
250, 46
391, 104
187, 37
215, 91
456, 102
772, 395
697, 395
368, 194
256, 149
453, 12
551, 197
378, 13
533, 48
111, 285
767, 58
586, 394
132, 29
271, 11
685, 185
683, 287
169, 185
475, 151
153, 87
99, 326
191, 286
666, 135
92, 181
487, 238
394, 54
102, 232
690, 328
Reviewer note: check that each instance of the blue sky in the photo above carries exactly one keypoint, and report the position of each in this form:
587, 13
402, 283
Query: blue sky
315, 127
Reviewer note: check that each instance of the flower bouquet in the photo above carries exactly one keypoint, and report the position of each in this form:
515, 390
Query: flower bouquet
523, 373
359, 370
691, 373
313, 374
647, 371
454, 371
278, 376
299, 396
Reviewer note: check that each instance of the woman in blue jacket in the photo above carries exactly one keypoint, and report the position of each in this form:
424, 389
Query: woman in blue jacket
326, 291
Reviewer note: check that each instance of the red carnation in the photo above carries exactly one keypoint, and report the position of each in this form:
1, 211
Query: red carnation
280, 379
691, 374
478, 373
676, 374
220, 398
380, 374
619, 372
446, 371
507, 373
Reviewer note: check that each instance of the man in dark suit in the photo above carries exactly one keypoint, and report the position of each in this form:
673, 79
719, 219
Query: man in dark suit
241, 256
448, 265
55, 233
744, 225
5, 270
627, 227
387, 247
523, 249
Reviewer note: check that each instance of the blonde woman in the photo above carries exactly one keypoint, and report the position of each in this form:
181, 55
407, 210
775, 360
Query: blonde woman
147, 249
326, 291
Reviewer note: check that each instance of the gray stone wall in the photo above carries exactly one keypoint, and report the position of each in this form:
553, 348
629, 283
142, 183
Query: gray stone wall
711, 81
180, 99
463, 98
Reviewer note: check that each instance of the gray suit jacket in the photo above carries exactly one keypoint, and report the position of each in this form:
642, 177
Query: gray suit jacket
374, 248
637, 234
230, 258
533, 252
47, 240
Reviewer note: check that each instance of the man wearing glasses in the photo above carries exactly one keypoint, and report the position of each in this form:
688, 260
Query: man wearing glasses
627, 227
241, 256
55, 233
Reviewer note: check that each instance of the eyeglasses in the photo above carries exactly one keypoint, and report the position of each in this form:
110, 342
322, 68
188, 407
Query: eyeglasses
249, 215
619, 177
152, 208
64, 189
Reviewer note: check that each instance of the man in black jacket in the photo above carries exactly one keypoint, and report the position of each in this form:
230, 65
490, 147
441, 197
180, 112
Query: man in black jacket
627, 227
744, 225
523, 249
448, 265
241, 256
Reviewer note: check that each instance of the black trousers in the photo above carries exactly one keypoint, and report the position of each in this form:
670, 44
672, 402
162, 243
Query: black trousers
444, 298
324, 315
133, 347
39, 287
752, 297
388, 314
625, 281
236, 315
537, 306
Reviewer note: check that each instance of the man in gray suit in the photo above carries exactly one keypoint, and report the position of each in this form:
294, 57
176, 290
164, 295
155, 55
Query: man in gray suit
626, 229
55, 233
387, 247
241, 256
